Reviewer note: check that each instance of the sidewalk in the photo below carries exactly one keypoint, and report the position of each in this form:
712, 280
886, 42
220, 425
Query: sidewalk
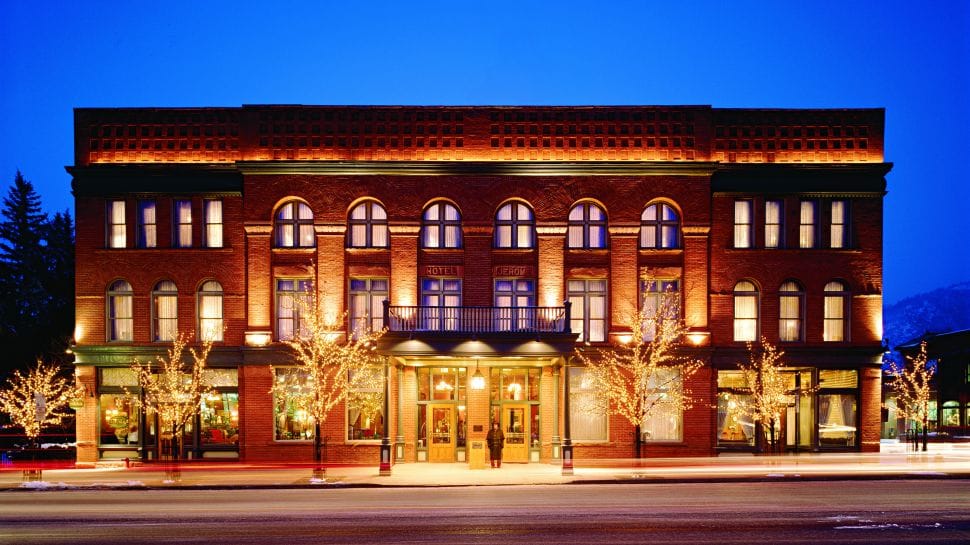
941, 462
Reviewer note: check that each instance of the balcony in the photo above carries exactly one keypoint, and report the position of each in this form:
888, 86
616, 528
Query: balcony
476, 320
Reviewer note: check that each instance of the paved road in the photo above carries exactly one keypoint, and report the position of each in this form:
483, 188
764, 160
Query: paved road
719, 513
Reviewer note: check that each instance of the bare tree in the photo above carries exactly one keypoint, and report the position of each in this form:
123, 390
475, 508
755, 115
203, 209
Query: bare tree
769, 390
174, 388
912, 384
38, 399
645, 376
331, 369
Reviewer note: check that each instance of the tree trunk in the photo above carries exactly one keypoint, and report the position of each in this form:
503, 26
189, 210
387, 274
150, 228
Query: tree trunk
926, 432
319, 471
637, 443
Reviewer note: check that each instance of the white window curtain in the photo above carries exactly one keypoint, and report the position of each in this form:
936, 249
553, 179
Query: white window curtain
587, 419
808, 220
116, 225
772, 224
148, 226
745, 312
790, 312
183, 224
210, 311
166, 311
742, 224
213, 223
838, 229
120, 316
833, 328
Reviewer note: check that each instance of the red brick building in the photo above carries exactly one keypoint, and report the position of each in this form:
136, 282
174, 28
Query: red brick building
500, 237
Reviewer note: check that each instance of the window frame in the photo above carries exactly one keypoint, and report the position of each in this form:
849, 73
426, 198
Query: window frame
126, 295
805, 229
442, 225
374, 322
658, 226
514, 224
586, 225
845, 297
294, 295
157, 294
777, 227
210, 227
369, 223
576, 408
586, 295
754, 293
144, 228
435, 313
798, 294
201, 295
116, 232
519, 316
180, 224
296, 223
840, 242
653, 391
653, 289
746, 228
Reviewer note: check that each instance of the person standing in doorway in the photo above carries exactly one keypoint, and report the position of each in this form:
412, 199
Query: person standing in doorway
495, 440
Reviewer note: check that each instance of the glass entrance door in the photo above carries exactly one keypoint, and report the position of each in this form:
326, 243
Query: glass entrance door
441, 423
515, 425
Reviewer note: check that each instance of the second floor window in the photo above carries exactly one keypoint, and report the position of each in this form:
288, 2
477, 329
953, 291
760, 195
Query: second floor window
165, 315
587, 226
659, 227
839, 231
440, 298
182, 216
117, 230
745, 312
368, 226
514, 296
212, 212
210, 311
294, 226
441, 226
791, 304
588, 309
514, 226
774, 224
836, 311
367, 297
147, 224
743, 224
292, 298
653, 292
120, 327
808, 225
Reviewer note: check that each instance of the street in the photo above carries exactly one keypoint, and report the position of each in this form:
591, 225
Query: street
924, 511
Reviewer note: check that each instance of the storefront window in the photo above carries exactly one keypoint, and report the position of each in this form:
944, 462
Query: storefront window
665, 422
950, 414
734, 425
119, 420
365, 408
587, 415
220, 419
292, 421
836, 420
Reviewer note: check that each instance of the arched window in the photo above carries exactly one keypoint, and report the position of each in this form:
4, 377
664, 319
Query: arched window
210, 311
441, 226
659, 227
515, 226
120, 326
165, 322
368, 226
836, 312
745, 311
587, 226
294, 226
791, 305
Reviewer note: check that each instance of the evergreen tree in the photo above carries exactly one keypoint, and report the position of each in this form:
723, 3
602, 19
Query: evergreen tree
57, 314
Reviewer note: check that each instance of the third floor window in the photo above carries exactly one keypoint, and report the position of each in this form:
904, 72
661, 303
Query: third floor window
441, 226
368, 226
659, 227
587, 226
514, 226
743, 223
182, 228
294, 226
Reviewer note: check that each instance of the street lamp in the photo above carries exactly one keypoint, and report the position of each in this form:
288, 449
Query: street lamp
478, 379
385, 469
567, 443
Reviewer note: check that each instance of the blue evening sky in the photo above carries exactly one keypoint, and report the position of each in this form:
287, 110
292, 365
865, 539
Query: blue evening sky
912, 58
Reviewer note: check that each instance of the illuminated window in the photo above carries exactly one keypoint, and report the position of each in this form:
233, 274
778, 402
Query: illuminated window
441, 226
147, 224
659, 227
212, 216
791, 305
164, 311
440, 302
743, 224
836, 312
514, 297
117, 231
368, 226
292, 298
210, 311
367, 296
665, 423
588, 309
839, 229
588, 416
365, 405
745, 311
120, 317
294, 226
587, 227
514, 226
774, 224
808, 225
182, 228
292, 421
652, 293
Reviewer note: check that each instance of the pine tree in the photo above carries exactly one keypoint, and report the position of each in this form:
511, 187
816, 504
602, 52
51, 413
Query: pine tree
57, 281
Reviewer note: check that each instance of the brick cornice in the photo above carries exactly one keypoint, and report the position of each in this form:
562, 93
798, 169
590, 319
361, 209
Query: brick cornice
479, 168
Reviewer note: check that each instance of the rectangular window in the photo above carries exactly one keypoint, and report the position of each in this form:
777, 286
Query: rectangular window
514, 297
116, 224
182, 217
745, 317
365, 405
291, 421
212, 215
292, 298
588, 311
837, 420
743, 224
220, 417
834, 321
147, 224
665, 421
440, 304
587, 413
790, 317
119, 419
774, 224
120, 317
808, 225
839, 232
652, 292
367, 296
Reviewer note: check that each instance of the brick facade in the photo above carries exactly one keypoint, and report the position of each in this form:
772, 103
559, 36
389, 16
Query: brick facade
699, 161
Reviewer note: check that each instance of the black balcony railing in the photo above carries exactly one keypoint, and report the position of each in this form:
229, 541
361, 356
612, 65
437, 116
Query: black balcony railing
408, 319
